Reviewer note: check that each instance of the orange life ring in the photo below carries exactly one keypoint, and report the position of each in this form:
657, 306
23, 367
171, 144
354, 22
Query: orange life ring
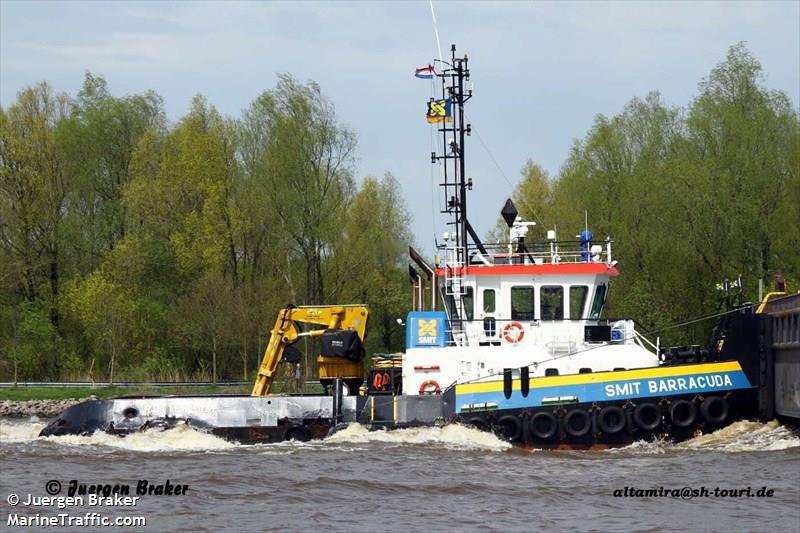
430, 387
517, 335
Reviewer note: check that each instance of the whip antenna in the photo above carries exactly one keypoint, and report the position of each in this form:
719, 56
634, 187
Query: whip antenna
436, 31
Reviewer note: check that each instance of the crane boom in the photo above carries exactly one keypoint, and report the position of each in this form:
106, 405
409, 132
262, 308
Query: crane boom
333, 318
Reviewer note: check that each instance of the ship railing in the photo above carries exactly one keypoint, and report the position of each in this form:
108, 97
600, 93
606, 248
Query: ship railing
644, 342
546, 252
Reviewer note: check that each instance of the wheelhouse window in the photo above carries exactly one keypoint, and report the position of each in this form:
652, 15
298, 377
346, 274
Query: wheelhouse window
552, 298
522, 303
599, 300
577, 301
488, 301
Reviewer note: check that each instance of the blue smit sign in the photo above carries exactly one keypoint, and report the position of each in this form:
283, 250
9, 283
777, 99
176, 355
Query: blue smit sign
426, 329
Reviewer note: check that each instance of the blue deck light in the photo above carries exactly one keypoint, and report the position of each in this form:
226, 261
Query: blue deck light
586, 245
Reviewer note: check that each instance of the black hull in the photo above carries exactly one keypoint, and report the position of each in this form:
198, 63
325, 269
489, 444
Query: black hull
519, 426
577, 426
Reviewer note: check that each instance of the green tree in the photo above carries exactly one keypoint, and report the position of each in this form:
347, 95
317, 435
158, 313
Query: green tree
207, 322
743, 142
106, 311
28, 343
371, 259
533, 198
97, 141
693, 197
186, 228
32, 193
297, 150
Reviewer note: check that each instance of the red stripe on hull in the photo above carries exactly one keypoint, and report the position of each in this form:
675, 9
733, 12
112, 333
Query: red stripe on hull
533, 270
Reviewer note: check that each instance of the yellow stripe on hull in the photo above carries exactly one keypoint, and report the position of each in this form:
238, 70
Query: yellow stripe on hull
602, 377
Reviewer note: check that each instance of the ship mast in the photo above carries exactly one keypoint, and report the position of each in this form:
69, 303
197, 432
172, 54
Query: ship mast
454, 75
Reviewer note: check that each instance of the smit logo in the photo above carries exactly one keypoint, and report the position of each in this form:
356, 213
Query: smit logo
427, 327
426, 331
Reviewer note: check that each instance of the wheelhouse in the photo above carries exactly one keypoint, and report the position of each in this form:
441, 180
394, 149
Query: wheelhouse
546, 295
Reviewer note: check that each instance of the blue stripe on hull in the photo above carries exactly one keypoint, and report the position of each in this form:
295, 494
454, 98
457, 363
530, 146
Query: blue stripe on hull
614, 390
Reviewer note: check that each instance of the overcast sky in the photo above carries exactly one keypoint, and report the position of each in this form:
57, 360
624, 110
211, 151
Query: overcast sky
541, 70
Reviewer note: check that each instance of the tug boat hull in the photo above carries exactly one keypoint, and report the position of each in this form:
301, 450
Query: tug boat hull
722, 395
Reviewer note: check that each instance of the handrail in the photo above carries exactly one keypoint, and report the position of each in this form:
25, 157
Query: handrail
462, 332
549, 252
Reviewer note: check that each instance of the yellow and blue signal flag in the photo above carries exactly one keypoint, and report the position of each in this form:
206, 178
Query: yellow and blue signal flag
440, 110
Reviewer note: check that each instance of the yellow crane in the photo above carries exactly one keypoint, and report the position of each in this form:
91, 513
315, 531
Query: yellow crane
342, 343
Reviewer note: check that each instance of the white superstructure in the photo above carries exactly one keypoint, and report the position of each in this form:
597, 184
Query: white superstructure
521, 308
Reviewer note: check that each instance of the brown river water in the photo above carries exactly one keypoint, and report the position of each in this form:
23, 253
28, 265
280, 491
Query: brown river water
432, 479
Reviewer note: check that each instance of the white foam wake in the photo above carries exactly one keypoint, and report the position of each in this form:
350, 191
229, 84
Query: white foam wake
746, 436
20, 431
181, 437
452, 436
742, 436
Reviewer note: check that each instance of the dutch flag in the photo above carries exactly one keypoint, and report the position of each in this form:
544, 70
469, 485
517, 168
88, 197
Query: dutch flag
425, 73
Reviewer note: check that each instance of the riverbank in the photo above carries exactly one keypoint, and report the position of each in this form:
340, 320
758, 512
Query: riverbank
40, 408
48, 402
101, 392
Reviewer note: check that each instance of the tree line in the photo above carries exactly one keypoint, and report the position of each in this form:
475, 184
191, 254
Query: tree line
134, 249
692, 196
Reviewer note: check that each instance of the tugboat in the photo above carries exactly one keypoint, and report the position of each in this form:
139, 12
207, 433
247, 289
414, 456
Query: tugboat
520, 349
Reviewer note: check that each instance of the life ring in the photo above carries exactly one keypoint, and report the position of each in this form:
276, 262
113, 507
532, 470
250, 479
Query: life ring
517, 335
430, 387
611, 419
683, 413
509, 428
715, 409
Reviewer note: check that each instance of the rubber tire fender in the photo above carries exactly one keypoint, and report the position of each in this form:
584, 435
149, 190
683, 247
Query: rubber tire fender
477, 423
510, 428
639, 416
691, 413
708, 407
606, 425
550, 432
581, 431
